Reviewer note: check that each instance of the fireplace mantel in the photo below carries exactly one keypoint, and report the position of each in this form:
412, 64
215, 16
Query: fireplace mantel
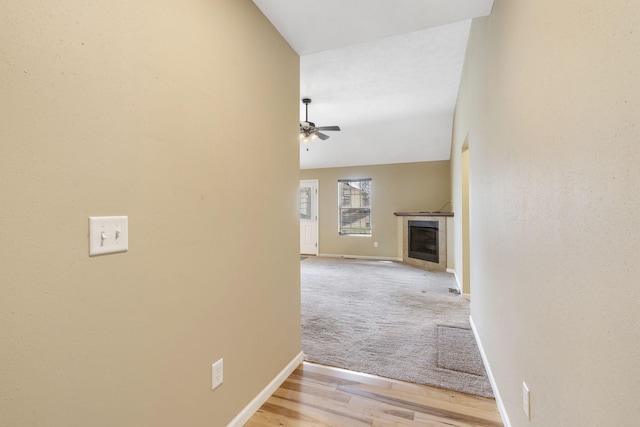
403, 228
423, 213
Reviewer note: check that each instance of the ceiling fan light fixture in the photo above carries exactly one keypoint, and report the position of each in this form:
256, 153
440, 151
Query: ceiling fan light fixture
308, 130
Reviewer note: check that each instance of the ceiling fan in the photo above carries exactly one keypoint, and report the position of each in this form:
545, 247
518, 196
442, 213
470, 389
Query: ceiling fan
308, 130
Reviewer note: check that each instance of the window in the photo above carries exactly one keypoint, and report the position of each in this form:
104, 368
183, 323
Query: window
354, 206
305, 202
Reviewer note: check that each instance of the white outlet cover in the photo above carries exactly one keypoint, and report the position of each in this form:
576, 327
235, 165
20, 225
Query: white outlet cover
217, 374
108, 234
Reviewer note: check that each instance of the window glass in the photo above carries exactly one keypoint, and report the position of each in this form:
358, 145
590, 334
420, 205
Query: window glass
305, 202
354, 206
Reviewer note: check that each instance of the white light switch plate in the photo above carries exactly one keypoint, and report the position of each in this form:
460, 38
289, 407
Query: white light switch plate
108, 234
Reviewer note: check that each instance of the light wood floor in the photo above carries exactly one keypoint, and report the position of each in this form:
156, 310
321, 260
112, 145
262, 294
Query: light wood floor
316, 395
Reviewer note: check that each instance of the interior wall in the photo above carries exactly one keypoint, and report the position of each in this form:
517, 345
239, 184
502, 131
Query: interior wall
403, 187
142, 109
550, 99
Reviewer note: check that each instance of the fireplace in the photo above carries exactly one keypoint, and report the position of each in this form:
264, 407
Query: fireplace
423, 241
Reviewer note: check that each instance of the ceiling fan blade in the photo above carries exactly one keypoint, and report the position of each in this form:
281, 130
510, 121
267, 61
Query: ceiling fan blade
308, 130
322, 136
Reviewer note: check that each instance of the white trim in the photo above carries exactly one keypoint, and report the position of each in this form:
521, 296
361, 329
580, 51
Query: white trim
380, 258
266, 393
455, 275
494, 386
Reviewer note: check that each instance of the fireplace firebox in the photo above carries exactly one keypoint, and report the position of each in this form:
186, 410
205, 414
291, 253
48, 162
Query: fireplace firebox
423, 241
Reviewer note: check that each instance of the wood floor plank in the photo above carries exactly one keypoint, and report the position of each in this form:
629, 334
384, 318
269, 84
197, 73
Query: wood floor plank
315, 390
322, 396
456, 397
384, 419
320, 414
265, 418
331, 405
425, 401
335, 376
418, 407
382, 410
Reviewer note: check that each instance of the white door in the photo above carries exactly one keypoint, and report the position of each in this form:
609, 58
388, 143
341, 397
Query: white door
308, 199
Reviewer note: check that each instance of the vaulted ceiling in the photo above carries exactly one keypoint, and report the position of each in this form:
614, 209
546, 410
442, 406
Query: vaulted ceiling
386, 71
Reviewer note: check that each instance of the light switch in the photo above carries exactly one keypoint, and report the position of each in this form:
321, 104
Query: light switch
108, 234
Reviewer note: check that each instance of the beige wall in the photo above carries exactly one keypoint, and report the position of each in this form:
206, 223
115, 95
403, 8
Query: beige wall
550, 101
176, 114
401, 187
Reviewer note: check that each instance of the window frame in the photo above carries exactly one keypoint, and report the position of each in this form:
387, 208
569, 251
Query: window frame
364, 196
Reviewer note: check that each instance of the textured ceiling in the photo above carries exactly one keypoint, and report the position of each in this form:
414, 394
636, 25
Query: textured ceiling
386, 71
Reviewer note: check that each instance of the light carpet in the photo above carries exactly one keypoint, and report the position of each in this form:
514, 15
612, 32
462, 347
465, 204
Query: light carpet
392, 320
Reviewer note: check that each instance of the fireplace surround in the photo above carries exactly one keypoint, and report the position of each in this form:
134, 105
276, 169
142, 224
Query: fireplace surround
433, 241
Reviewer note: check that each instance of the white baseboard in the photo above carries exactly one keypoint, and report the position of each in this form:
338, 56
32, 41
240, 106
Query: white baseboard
458, 284
378, 258
455, 276
487, 367
262, 397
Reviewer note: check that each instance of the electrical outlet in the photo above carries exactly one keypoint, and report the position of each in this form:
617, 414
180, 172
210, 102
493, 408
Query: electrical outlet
216, 374
375, 244
526, 400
